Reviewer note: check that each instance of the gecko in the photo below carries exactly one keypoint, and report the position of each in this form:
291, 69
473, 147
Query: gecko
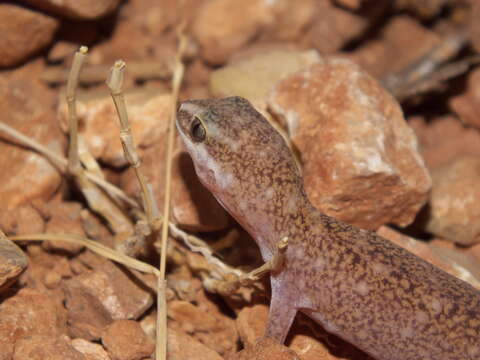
357, 285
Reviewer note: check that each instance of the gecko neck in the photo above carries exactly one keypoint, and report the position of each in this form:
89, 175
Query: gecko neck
268, 224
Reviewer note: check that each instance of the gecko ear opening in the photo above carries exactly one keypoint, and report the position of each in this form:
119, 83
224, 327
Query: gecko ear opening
197, 130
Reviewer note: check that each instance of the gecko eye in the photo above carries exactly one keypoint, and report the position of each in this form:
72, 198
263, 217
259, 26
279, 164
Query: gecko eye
197, 130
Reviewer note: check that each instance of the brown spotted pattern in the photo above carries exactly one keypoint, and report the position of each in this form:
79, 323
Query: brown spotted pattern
363, 288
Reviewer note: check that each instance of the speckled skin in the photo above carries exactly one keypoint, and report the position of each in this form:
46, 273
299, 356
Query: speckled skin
357, 285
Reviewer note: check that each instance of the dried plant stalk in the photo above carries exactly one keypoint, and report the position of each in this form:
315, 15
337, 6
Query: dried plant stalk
96, 247
142, 70
96, 198
115, 83
401, 83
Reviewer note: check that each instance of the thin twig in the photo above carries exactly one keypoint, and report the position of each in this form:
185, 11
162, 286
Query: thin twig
74, 165
98, 200
400, 82
95, 246
143, 70
179, 68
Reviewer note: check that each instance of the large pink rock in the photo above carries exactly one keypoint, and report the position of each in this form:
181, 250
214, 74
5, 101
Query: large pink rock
360, 158
24, 32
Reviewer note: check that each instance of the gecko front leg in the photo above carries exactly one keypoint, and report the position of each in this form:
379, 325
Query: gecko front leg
282, 311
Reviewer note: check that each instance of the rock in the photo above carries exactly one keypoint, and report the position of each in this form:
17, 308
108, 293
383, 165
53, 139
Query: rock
308, 348
217, 333
40, 347
22, 220
24, 32
438, 149
26, 106
65, 219
467, 105
456, 263
27, 313
12, 262
426, 9
183, 347
77, 9
394, 49
351, 4
251, 321
125, 340
148, 114
193, 207
454, 213
46, 270
253, 76
475, 25
90, 351
334, 27
291, 17
222, 27
266, 349
96, 298
360, 158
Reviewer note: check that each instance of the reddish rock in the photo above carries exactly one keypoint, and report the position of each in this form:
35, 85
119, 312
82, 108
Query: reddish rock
394, 49
334, 27
26, 106
27, 313
475, 24
266, 349
183, 347
467, 105
96, 298
444, 139
222, 27
90, 350
351, 4
125, 340
193, 207
24, 32
65, 219
360, 158
451, 260
454, 213
426, 9
291, 17
12, 262
40, 347
308, 348
77, 9
45, 270
217, 333
22, 220
251, 323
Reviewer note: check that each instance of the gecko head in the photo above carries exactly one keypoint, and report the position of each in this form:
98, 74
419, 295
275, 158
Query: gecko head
234, 149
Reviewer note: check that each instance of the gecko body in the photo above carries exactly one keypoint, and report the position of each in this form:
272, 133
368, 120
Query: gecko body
357, 285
